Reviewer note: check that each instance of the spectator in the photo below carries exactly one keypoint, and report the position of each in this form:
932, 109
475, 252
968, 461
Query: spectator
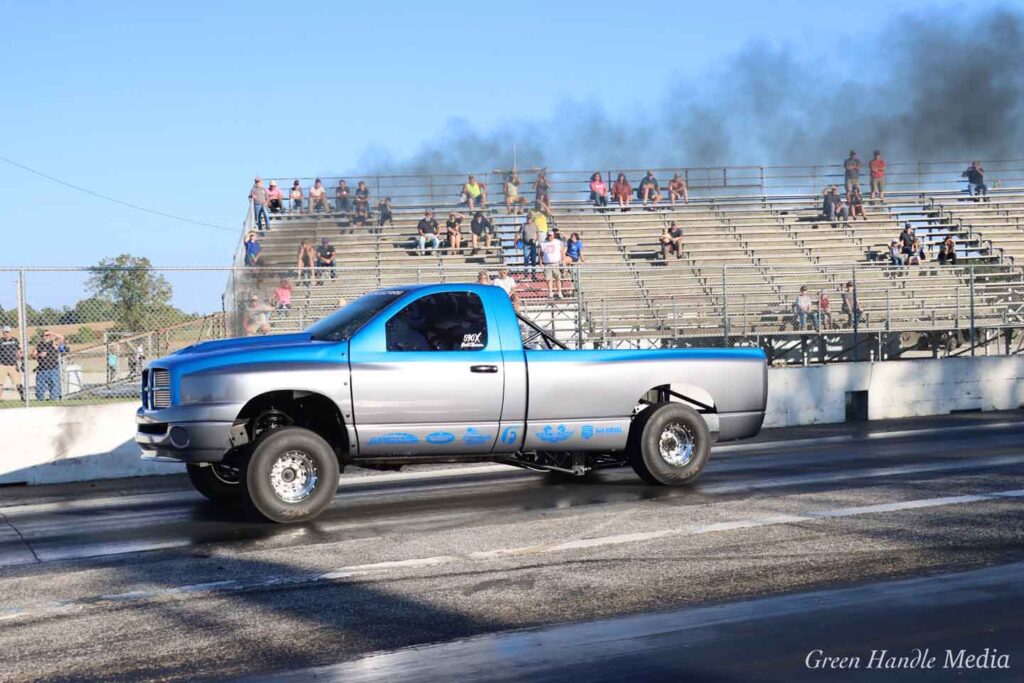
895, 255
839, 208
481, 227
622, 191
513, 202
916, 254
295, 195
802, 309
598, 190
947, 251
482, 278
877, 167
474, 194
326, 259
850, 304
649, 190
856, 203
453, 231
258, 196
283, 296
257, 317
529, 236
342, 201
677, 190
317, 197
907, 237
48, 353
828, 210
252, 249
112, 351
384, 214
505, 282
275, 200
10, 361
825, 310
552, 251
544, 204
136, 361
542, 226
851, 169
361, 204
427, 231
671, 241
541, 186
975, 175
305, 262
574, 250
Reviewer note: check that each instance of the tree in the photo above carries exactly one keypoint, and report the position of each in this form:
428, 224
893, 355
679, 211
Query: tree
136, 294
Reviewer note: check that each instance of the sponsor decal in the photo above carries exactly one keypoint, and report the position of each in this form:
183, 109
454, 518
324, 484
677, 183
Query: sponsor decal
554, 435
509, 435
472, 341
474, 438
439, 437
589, 431
394, 438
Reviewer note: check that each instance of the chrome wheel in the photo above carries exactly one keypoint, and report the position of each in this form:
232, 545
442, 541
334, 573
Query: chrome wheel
225, 474
676, 445
293, 476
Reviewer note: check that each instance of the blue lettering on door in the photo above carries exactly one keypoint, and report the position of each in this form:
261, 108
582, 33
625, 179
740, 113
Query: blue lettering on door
439, 437
551, 435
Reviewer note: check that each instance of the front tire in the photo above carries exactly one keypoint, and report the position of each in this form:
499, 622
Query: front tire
219, 483
292, 475
669, 444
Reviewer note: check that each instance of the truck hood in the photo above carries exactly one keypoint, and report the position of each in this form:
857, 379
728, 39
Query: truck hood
244, 344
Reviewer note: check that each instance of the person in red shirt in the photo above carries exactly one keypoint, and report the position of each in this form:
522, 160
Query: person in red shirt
622, 191
877, 166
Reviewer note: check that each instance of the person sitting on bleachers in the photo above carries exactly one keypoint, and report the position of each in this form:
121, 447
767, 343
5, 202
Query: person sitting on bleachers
275, 201
283, 296
317, 197
257, 318
304, 264
649, 191
326, 260
947, 251
513, 202
916, 254
856, 201
802, 309
671, 241
252, 249
598, 190
453, 231
481, 227
427, 231
384, 214
342, 200
825, 310
975, 175
543, 204
295, 195
895, 255
622, 191
573, 250
541, 186
907, 237
505, 281
677, 190
829, 196
474, 194
839, 209
361, 204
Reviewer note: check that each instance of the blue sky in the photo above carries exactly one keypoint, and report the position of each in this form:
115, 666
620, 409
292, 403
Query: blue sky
175, 106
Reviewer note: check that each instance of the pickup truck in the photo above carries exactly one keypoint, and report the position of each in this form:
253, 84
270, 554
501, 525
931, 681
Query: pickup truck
434, 373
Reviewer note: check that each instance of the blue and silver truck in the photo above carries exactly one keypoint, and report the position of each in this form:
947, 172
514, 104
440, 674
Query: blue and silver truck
427, 374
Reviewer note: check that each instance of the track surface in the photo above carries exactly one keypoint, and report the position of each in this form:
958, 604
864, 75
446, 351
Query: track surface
832, 539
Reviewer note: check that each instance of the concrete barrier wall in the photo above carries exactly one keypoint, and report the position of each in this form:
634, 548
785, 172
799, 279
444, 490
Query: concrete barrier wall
80, 443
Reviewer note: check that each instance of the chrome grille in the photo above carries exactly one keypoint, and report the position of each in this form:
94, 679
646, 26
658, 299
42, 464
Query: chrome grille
160, 387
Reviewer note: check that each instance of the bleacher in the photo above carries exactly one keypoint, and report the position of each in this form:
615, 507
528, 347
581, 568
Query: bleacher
744, 260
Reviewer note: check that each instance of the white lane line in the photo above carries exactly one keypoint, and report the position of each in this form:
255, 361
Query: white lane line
235, 585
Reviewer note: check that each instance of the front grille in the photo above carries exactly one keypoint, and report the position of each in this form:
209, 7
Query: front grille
160, 380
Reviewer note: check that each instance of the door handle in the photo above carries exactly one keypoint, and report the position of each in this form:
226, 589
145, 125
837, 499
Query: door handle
483, 368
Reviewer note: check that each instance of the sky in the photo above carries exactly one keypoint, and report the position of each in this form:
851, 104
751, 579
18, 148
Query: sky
176, 106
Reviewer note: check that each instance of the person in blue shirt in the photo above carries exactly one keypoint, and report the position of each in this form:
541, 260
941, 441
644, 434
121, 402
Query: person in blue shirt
252, 249
574, 249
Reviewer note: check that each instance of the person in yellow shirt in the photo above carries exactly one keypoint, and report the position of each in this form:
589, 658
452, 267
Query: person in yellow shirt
475, 193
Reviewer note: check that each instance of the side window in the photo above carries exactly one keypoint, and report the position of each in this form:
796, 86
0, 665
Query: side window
453, 321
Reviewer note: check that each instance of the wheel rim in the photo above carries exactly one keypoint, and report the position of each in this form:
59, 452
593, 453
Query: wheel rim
676, 445
226, 475
293, 476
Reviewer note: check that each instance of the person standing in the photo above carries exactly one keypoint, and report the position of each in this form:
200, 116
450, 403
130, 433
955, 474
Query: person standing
528, 237
802, 308
304, 264
48, 354
258, 195
877, 168
851, 169
552, 254
10, 361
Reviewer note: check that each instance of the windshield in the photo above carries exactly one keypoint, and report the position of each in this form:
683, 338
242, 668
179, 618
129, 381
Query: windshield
343, 323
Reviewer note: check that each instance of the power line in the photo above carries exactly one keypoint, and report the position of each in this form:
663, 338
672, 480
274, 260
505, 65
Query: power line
115, 200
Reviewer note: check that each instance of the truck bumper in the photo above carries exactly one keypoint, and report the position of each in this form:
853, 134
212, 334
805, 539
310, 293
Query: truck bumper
184, 435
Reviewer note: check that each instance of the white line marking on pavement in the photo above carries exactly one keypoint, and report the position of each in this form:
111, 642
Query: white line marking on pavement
235, 585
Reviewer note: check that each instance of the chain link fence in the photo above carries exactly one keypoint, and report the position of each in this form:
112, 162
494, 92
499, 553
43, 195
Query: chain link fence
83, 335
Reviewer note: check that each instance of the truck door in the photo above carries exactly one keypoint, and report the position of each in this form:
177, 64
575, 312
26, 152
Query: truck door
429, 379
